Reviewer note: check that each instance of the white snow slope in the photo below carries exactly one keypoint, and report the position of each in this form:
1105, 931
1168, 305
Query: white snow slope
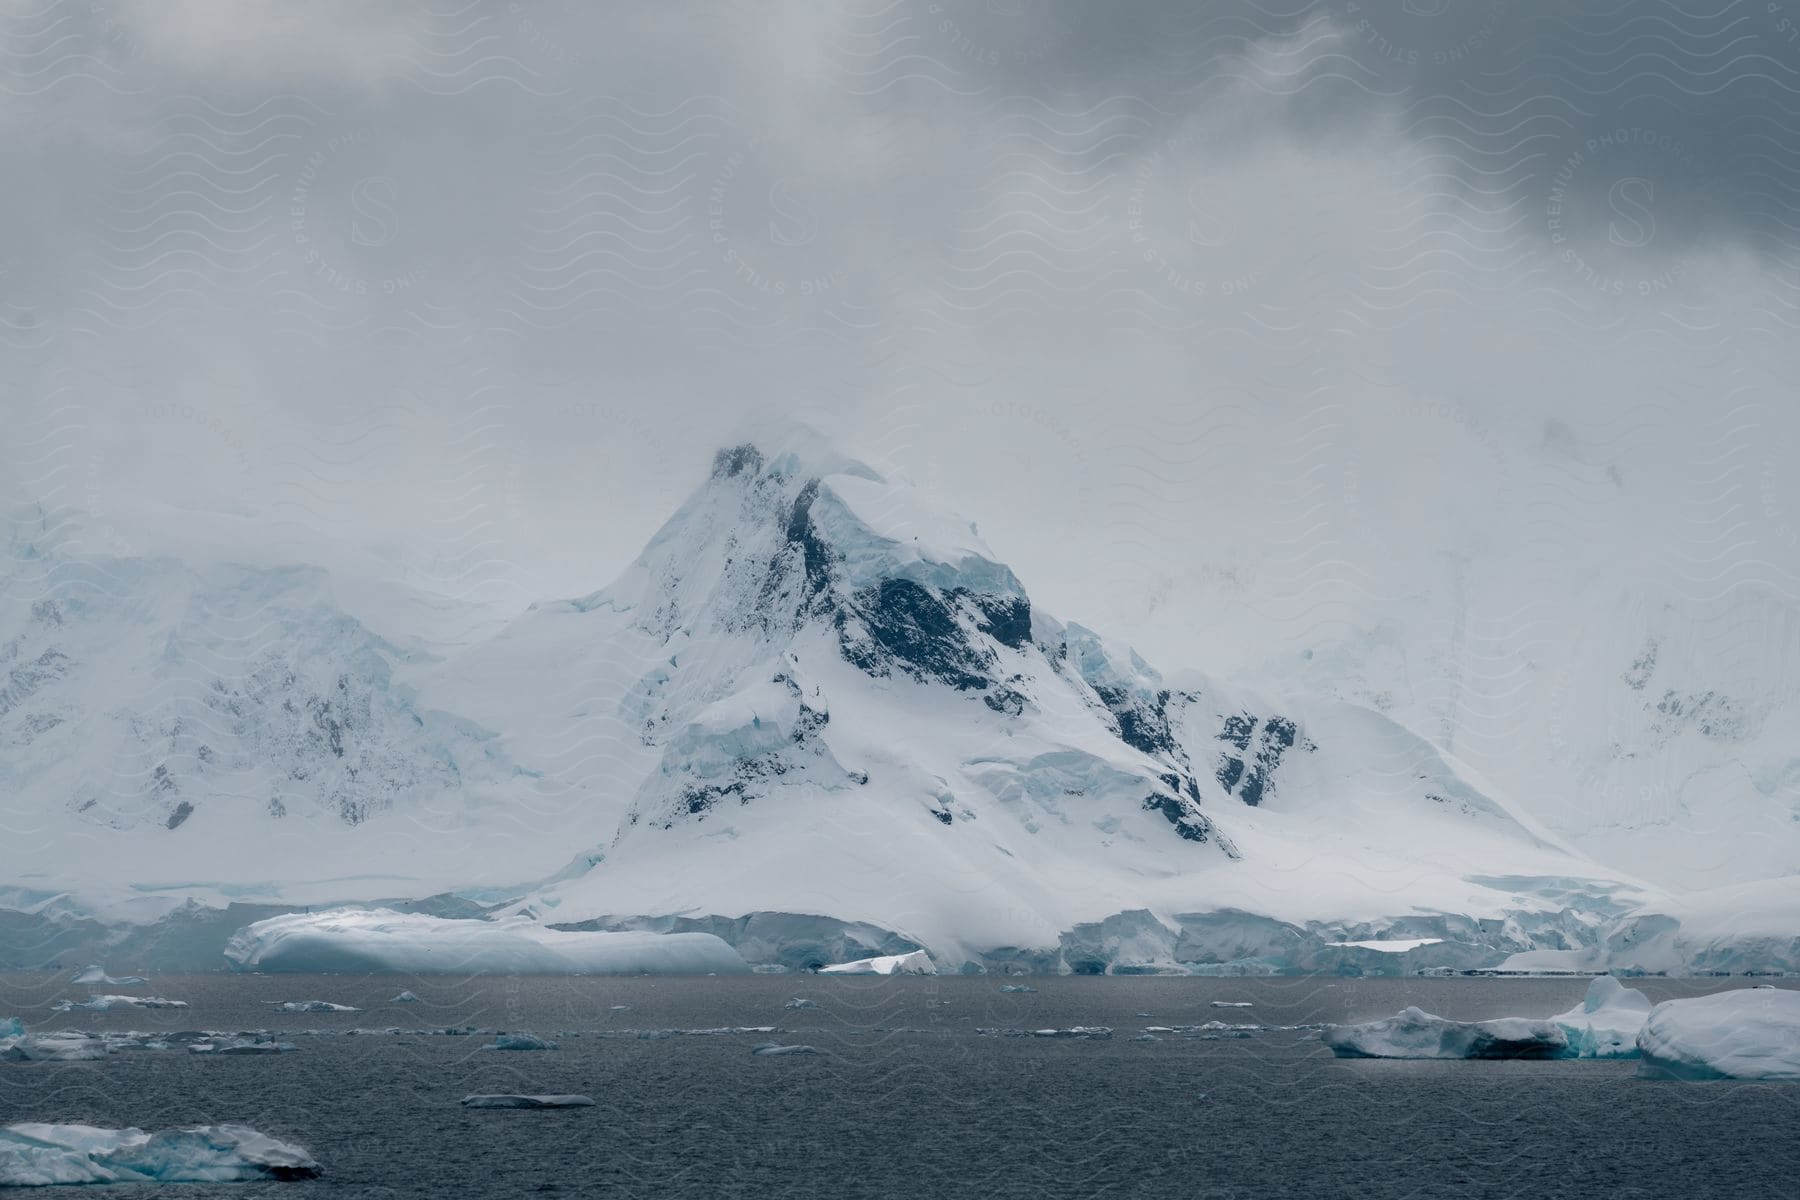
816, 717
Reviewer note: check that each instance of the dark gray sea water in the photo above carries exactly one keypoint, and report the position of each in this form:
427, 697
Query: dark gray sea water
921, 1087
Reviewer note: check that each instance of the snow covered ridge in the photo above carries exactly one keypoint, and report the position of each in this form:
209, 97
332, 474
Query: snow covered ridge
817, 719
411, 943
33, 1155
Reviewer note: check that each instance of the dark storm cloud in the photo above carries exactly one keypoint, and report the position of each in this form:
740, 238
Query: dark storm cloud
1695, 105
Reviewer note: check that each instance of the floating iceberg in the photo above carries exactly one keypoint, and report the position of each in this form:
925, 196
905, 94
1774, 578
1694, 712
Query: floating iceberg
1417, 1034
499, 1100
1606, 1023
413, 943
916, 963
241, 1046
404, 998
97, 974
102, 1003
11, 1027
1750, 1033
41, 1155
65, 1046
773, 1048
519, 1041
299, 1006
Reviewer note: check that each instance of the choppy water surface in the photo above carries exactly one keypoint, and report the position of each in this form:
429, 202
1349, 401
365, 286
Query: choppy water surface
921, 1087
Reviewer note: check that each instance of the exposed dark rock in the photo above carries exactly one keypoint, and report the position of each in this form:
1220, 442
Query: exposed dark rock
915, 629
1250, 776
737, 460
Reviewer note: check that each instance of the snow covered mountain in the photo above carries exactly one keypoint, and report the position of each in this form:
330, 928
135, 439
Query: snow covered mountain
816, 717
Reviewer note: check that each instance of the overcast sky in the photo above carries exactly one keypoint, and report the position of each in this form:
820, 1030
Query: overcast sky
1243, 330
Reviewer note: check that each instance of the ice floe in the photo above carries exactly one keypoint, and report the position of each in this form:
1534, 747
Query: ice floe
312, 1006
34, 1155
97, 974
102, 1003
62, 1046
242, 1046
1416, 1033
916, 963
1606, 1023
775, 1048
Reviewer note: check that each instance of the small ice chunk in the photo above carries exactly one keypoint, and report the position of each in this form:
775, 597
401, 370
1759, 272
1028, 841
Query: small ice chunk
519, 1041
1418, 1034
97, 974
1146, 1037
509, 1100
102, 1003
34, 1155
1097, 1033
1016, 987
300, 1006
404, 998
800, 1002
620, 1008
1606, 1023
1231, 1004
1747, 1033
772, 1048
916, 963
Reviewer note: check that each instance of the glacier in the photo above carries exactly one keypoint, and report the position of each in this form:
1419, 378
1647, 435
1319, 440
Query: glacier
1745, 1033
816, 720
411, 943
37, 1155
